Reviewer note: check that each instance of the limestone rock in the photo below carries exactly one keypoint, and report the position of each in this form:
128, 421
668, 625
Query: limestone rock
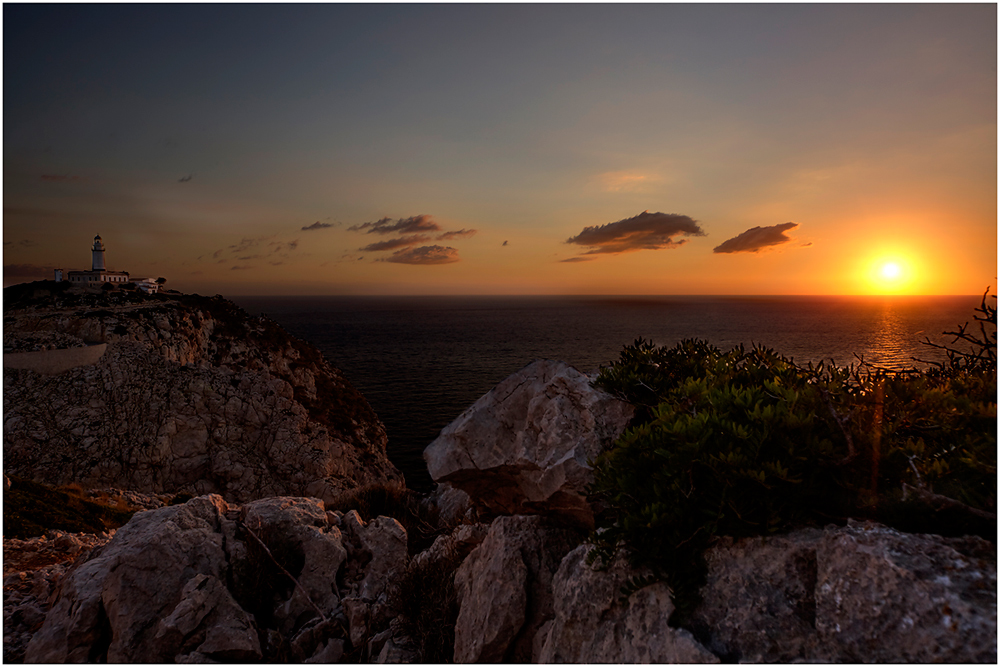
208, 620
191, 394
862, 593
300, 526
110, 605
592, 625
525, 446
383, 545
886, 596
504, 589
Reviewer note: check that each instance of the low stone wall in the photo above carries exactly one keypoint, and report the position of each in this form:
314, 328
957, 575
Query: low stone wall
53, 362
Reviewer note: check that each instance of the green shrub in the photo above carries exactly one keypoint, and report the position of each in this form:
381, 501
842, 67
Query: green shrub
748, 443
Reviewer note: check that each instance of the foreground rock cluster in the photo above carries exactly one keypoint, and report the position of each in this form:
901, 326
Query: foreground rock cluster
182, 584
192, 394
259, 574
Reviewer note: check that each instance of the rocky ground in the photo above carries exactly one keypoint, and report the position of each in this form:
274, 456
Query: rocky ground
492, 568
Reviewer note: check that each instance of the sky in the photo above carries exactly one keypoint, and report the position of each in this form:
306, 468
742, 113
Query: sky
505, 149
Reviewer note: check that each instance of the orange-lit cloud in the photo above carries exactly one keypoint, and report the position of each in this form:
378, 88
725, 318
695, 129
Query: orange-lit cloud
577, 259
460, 234
415, 223
317, 225
392, 244
757, 239
427, 255
646, 231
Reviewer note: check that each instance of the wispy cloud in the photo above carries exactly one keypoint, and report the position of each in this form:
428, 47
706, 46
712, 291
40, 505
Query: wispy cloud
392, 244
460, 234
425, 255
578, 259
646, 231
317, 225
756, 239
238, 267
413, 224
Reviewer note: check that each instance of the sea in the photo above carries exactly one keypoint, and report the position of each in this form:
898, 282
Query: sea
421, 361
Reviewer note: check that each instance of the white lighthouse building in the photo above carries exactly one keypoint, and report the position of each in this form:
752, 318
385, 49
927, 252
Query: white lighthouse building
98, 254
98, 272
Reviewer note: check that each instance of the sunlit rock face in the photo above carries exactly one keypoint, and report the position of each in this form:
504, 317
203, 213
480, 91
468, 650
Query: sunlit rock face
191, 394
525, 446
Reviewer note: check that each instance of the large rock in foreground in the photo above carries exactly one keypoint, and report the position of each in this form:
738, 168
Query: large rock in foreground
525, 446
191, 394
860, 593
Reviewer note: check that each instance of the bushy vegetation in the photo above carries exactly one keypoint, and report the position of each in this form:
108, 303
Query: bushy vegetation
31, 509
746, 442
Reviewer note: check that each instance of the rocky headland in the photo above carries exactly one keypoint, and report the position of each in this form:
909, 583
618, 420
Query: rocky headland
272, 561
187, 393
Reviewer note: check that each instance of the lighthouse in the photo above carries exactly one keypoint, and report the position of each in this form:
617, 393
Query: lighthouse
98, 254
99, 271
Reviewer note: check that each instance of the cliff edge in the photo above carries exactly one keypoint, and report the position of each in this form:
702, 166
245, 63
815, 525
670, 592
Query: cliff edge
190, 393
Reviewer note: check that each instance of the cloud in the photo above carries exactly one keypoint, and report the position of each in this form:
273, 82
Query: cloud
27, 271
413, 224
237, 267
317, 225
578, 259
460, 234
392, 244
646, 231
186, 179
428, 255
756, 239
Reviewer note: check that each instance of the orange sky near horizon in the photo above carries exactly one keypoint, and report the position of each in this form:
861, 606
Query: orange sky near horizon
521, 149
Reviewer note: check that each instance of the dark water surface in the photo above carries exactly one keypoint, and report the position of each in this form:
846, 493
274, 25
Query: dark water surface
420, 361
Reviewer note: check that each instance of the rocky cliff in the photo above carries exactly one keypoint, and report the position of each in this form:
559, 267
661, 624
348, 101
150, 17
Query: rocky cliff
190, 394
507, 578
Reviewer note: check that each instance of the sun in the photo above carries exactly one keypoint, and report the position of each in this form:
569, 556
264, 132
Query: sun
890, 275
891, 271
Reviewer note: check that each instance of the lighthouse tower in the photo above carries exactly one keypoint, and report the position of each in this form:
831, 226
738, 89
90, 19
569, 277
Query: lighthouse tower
98, 254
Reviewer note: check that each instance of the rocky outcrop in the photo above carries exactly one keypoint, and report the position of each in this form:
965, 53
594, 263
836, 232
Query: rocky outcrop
525, 446
207, 581
862, 593
191, 394
505, 589
592, 624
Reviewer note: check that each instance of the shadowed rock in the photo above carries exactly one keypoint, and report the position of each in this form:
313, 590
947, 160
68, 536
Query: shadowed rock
525, 447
